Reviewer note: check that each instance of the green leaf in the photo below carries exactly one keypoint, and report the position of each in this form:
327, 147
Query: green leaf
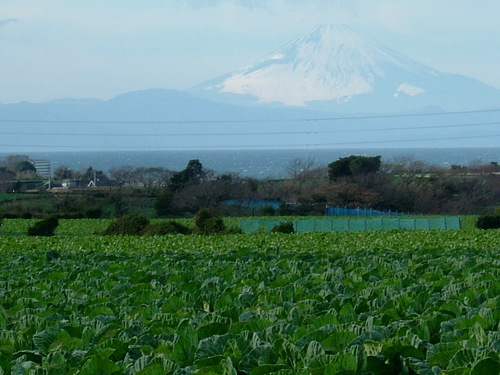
99, 366
253, 325
44, 339
420, 367
487, 314
333, 364
212, 329
101, 310
487, 366
318, 335
67, 344
347, 313
441, 353
337, 341
3, 318
464, 358
225, 367
452, 307
267, 369
141, 363
152, 369
313, 350
212, 346
422, 330
173, 304
24, 368
478, 334
253, 359
456, 371
288, 353
185, 347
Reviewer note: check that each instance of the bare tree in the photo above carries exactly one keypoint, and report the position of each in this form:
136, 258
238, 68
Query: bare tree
122, 175
152, 178
300, 172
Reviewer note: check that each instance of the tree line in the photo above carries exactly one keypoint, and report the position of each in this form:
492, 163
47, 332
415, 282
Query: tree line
355, 181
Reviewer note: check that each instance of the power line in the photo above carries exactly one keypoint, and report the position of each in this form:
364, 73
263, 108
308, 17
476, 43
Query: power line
314, 119
268, 146
304, 132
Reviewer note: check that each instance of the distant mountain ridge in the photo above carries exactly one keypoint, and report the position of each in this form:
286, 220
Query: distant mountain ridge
162, 105
172, 120
336, 69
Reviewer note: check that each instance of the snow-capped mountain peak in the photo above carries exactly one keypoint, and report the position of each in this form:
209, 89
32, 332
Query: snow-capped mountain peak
333, 67
329, 63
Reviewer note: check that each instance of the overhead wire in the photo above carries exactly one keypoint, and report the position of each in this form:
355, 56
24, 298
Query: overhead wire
221, 121
247, 133
303, 132
264, 146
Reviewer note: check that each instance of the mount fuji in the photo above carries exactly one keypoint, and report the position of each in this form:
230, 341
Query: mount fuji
336, 69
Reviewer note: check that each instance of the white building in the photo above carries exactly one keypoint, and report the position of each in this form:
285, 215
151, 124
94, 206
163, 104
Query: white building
43, 167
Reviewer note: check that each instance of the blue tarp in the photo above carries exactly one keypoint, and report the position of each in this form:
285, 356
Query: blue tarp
343, 211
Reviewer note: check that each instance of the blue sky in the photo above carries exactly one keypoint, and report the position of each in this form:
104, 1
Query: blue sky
53, 49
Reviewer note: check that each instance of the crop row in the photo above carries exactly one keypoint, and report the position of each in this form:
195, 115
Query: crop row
319, 303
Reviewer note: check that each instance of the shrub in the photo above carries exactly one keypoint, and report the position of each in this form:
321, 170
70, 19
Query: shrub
45, 227
93, 212
164, 204
207, 222
286, 227
488, 222
131, 224
213, 225
169, 227
233, 230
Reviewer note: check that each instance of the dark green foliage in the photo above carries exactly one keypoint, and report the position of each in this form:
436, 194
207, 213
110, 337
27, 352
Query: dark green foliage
93, 212
213, 226
46, 227
353, 166
268, 210
203, 215
25, 166
138, 225
286, 227
131, 224
169, 227
164, 204
18, 215
192, 173
488, 222
207, 222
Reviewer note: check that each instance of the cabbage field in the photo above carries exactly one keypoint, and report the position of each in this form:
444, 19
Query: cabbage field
381, 302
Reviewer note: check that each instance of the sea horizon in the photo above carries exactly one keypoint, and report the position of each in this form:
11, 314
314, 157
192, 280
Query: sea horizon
257, 163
